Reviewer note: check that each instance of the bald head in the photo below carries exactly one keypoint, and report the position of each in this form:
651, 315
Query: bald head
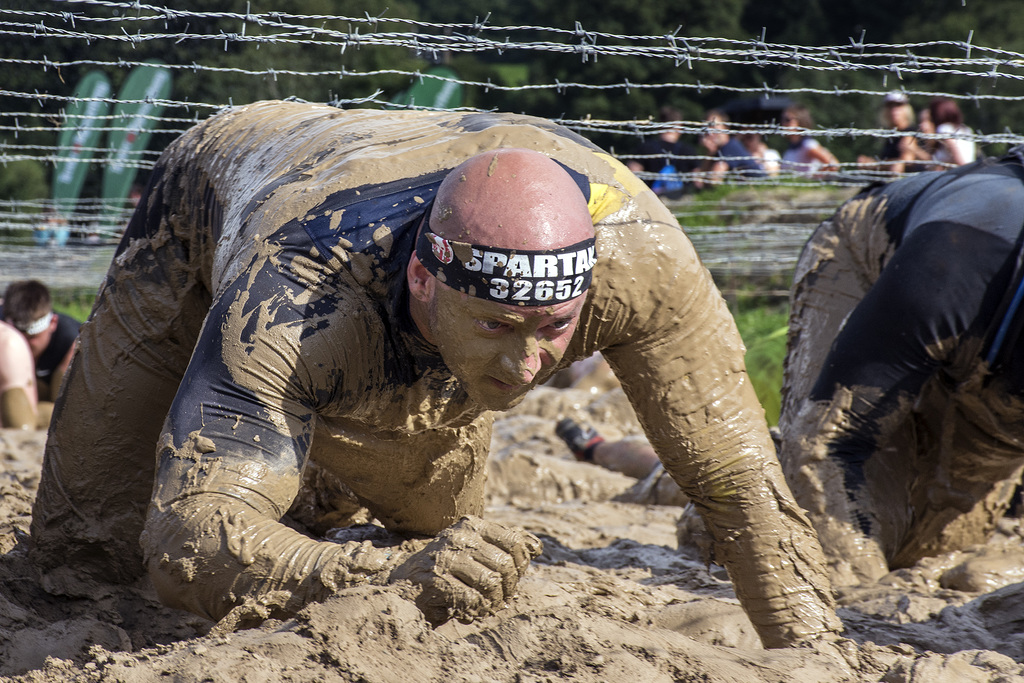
513, 199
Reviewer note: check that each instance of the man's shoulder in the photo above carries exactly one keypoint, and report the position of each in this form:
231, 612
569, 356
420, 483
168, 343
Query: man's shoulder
9, 332
14, 348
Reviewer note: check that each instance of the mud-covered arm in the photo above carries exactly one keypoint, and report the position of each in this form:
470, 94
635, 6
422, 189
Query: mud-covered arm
232, 454
676, 350
215, 547
230, 462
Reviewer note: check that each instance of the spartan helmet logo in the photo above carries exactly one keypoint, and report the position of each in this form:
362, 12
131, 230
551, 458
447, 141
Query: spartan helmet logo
442, 250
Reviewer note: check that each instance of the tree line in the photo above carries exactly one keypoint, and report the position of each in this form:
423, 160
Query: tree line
794, 22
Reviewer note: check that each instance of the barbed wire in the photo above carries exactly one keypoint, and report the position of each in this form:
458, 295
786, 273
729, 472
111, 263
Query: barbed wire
455, 33
836, 58
732, 234
558, 86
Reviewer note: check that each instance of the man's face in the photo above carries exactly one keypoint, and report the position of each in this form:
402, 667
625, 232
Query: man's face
496, 350
39, 342
716, 137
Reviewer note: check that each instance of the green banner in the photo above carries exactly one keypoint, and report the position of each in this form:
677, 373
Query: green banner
133, 120
437, 88
79, 138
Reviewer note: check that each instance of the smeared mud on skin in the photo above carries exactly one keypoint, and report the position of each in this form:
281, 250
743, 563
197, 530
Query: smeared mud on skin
315, 356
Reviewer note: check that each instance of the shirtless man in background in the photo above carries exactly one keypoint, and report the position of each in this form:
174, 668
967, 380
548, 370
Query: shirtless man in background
18, 404
347, 296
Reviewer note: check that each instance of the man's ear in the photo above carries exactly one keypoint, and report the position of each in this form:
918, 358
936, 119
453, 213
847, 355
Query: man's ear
421, 285
54, 321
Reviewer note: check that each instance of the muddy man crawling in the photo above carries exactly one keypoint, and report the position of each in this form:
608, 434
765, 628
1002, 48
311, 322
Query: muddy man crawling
350, 294
903, 397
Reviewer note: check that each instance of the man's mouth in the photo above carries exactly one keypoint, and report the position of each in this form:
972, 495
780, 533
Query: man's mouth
508, 388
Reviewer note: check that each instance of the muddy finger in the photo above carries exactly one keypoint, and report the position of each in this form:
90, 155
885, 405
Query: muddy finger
520, 544
489, 584
501, 563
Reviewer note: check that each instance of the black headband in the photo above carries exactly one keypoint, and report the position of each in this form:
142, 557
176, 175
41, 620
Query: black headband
509, 276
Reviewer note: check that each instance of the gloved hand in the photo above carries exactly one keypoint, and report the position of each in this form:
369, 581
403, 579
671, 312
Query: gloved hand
469, 570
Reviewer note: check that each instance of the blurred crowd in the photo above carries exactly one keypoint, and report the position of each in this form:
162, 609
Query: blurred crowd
933, 138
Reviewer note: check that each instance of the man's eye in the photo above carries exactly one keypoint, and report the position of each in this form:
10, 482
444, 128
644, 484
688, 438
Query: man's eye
490, 325
561, 324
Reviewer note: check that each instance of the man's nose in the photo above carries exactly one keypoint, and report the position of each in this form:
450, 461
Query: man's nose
525, 362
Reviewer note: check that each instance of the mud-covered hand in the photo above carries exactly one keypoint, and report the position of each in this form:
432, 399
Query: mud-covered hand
469, 570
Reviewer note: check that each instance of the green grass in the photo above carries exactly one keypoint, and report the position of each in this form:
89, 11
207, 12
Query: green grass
763, 329
74, 302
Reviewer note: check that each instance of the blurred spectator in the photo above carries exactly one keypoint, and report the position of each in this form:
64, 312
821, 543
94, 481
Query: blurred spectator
18, 404
948, 121
925, 127
899, 153
53, 230
666, 155
767, 157
805, 155
51, 336
728, 155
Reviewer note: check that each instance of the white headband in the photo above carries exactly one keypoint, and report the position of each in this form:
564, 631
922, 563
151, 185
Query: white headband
37, 326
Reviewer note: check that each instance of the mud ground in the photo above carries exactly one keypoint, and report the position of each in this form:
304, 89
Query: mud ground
611, 599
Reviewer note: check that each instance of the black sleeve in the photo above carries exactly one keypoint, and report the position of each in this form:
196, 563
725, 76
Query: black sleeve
250, 409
